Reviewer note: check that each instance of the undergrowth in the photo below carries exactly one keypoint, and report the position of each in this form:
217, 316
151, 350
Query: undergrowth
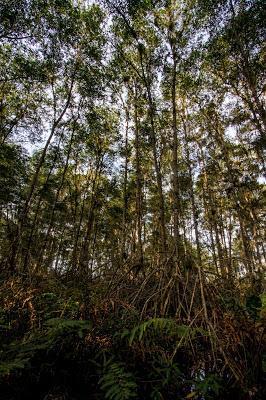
47, 344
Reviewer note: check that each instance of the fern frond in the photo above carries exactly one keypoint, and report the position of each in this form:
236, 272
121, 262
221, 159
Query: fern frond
117, 384
157, 325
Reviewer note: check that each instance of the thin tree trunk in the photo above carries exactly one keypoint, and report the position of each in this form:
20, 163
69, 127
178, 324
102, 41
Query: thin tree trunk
139, 183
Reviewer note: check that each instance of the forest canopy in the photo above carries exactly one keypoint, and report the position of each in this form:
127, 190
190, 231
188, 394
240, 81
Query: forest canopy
132, 199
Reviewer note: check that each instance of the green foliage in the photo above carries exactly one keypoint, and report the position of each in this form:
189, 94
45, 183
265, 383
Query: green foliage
253, 306
13, 172
132, 195
116, 383
160, 326
60, 326
263, 301
165, 375
21, 353
7, 367
209, 386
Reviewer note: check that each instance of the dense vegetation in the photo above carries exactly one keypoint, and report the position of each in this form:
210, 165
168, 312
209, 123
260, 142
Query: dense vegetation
132, 199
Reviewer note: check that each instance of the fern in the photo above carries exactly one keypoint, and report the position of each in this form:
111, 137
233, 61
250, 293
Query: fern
157, 325
19, 354
59, 326
7, 367
116, 383
209, 386
163, 374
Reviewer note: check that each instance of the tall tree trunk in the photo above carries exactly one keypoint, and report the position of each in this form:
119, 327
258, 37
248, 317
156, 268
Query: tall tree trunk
125, 191
139, 210
178, 245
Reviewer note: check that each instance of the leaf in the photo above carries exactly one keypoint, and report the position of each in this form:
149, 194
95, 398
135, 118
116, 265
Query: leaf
191, 395
9, 366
